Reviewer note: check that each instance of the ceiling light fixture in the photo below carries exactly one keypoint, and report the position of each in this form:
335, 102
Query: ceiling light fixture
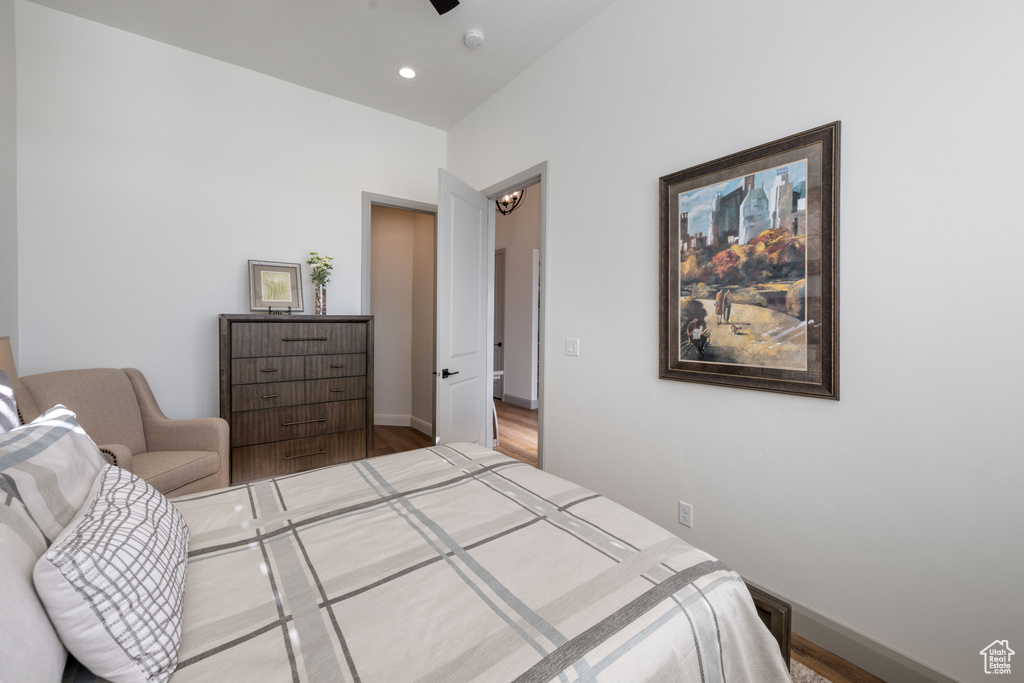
509, 202
406, 72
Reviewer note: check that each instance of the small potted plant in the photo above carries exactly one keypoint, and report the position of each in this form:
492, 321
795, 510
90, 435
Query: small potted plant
321, 275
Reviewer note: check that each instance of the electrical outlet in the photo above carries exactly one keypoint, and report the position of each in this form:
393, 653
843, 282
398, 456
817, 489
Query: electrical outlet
572, 347
686, 514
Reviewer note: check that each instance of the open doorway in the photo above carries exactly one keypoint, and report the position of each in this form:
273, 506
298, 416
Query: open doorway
517, 315
400, 295
535, 176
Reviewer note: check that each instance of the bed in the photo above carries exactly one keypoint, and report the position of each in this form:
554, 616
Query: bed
451, 563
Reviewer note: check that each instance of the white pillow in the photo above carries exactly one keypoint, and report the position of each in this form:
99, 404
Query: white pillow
52, 463
112, 582
29, 647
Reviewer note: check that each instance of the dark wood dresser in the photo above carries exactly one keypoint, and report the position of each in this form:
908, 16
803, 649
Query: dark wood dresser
297, 391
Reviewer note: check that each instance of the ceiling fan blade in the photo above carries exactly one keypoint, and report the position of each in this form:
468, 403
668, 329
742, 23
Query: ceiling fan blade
443, 6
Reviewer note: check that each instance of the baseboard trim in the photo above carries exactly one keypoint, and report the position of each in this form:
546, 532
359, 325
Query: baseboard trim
421, 425
403, 421
521, 402
392, 420
856, 648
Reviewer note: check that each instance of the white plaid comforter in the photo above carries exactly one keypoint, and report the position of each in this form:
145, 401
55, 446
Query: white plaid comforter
453, 563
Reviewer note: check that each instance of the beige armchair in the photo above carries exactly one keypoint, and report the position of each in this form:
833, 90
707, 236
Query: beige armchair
117, 409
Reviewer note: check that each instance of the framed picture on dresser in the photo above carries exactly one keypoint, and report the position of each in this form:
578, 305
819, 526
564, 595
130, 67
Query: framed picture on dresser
275, 286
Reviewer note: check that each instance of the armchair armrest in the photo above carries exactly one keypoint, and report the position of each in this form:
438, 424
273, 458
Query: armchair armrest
197, 434
117, 454
26, 403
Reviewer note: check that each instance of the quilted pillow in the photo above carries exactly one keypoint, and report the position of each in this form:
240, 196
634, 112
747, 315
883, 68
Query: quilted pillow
112, 582
50, 465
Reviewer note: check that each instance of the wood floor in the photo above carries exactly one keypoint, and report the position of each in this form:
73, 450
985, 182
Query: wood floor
517, 432
387, 440
824, 663
517, 435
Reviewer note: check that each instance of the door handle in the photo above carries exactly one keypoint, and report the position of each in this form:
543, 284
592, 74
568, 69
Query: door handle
498, 344
445, 374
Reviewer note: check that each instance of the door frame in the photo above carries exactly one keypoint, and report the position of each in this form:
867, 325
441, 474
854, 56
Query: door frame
370, 200
501, 288
530, 176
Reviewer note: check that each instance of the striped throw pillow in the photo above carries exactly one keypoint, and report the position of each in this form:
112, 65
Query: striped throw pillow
51, 465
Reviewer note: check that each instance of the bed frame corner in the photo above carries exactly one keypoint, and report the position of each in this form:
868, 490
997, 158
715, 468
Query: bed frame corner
777, 616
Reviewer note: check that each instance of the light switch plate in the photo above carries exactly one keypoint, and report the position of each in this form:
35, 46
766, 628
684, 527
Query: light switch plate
572, 347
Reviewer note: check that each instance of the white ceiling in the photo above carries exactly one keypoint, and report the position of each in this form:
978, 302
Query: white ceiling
353, 49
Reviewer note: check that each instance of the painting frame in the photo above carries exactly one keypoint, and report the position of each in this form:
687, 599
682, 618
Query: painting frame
275, 286
693, 267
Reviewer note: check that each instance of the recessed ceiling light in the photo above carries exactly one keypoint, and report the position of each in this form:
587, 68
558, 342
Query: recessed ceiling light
406, 72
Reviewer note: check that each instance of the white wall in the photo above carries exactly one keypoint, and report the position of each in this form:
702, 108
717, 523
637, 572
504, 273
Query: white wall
402, 303
897, 511
391, 277
423, 285
519, 234
8, 178
148, 176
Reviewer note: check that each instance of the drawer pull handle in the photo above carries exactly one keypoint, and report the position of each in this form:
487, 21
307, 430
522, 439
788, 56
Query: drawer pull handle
301, 339
303, 422
265, 396
304, 455
269, 370
337, 365
338, 391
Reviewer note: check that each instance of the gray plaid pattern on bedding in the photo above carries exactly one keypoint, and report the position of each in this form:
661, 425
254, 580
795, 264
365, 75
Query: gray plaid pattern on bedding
453, 563
112, 581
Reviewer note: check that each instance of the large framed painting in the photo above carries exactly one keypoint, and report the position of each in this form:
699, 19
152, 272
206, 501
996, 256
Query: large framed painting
275, 286
749, 268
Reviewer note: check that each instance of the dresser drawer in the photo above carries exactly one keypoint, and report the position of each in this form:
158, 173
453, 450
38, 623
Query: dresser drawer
296, 339
257, 370
297, 455
340, 389
275, 395
278, 424
281, 394
345, 365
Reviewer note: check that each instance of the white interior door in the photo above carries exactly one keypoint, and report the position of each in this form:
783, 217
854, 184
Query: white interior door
465, 288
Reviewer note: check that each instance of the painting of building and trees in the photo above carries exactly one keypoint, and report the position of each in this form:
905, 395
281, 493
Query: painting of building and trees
743, 270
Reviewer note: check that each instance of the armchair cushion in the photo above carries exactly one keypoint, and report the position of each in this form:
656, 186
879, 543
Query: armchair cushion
168, 471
